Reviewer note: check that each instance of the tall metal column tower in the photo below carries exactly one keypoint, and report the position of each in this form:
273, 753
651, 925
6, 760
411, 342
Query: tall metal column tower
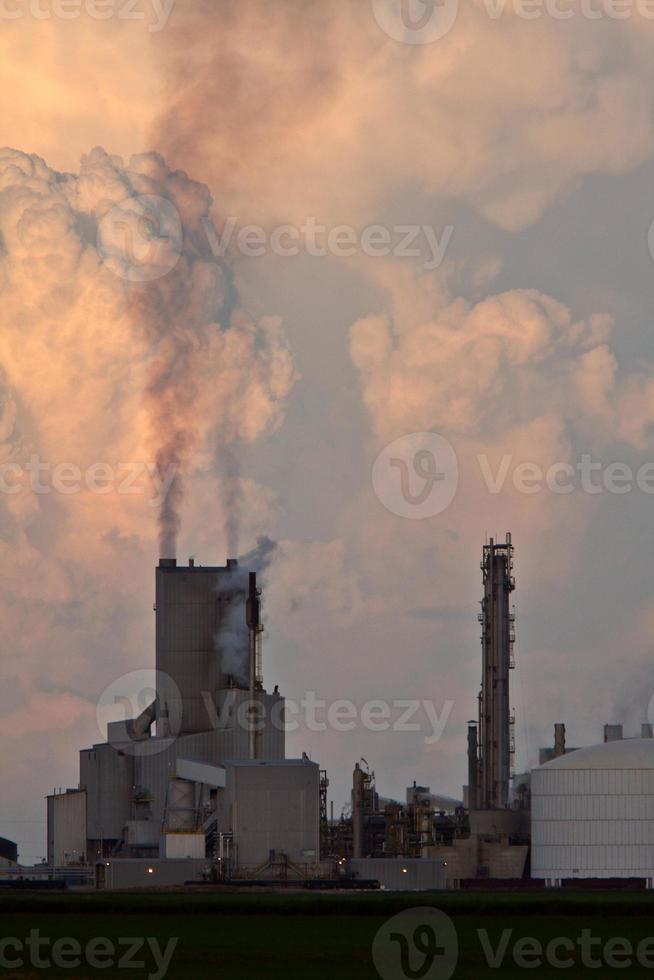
495, 721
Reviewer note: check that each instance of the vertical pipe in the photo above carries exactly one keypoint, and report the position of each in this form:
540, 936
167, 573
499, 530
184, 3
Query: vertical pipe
473, 777
358, 782
253, 618
488, 671
501, 699
252, 735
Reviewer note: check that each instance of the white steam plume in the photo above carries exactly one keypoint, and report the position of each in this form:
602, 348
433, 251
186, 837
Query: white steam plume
232, 639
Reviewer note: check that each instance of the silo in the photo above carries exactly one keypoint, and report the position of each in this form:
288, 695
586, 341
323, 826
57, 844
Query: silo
593, 813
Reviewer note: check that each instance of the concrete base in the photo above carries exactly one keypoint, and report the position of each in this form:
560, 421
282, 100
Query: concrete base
476, 858
401, 874
137, 873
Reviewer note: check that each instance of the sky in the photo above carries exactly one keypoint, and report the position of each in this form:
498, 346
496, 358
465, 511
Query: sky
398, 302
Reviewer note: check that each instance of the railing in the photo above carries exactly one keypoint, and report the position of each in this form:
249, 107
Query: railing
74, 875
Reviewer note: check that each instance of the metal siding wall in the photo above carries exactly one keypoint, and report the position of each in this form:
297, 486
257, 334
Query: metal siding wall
68, 829
273, 735
277, 808
153, 770
184, 847
593, 823
107, 777
188, 619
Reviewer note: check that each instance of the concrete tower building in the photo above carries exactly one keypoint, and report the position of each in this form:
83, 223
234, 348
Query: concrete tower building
204, 642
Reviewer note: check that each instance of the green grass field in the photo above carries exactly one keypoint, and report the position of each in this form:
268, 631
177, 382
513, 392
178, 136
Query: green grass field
318, 937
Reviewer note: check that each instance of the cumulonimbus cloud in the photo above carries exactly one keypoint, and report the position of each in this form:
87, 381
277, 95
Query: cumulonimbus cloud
311, 109
101, 375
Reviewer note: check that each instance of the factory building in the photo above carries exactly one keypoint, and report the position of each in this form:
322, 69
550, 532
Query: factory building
593, 812
198, 784
201, 775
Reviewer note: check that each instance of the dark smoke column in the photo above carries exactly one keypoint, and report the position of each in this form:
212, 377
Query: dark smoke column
169, 459
495, 747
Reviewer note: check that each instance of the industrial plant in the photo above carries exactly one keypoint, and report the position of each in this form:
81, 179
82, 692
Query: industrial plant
211, 787
197, 788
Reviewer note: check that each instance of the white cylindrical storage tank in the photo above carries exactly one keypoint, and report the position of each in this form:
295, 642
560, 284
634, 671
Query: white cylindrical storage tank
593, 813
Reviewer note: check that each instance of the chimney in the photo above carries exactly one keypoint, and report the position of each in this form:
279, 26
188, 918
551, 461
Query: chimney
613, 733
253, 621
559, 740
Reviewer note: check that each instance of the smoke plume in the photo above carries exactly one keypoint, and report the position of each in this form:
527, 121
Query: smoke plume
232, 639
152, 357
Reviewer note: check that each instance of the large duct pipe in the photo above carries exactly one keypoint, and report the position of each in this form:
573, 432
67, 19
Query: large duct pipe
140, 727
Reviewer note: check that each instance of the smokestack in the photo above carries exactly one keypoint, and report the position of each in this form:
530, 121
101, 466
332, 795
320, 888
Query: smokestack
358, 782
497, 648
253, 605
613, 733
559, 740
253, 620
